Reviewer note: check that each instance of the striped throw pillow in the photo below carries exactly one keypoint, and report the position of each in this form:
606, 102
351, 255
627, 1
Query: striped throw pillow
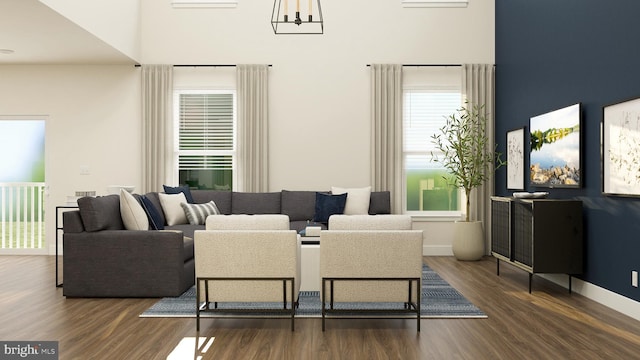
197, 213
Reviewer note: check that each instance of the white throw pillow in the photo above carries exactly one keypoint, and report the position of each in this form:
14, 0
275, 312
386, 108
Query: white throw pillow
357, 199
173, 212
133, 215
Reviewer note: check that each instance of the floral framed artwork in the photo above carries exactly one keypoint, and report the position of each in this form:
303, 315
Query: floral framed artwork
515, 159
620, 137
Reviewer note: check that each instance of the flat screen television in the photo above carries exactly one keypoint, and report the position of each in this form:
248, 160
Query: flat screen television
555, 156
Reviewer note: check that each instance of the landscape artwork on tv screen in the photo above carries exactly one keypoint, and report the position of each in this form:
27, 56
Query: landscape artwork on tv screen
555, 148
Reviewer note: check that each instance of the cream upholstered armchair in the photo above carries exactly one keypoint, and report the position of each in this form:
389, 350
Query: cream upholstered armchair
247, 258
370, 258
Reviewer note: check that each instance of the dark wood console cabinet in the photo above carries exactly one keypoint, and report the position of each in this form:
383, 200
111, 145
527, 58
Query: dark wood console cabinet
538, 235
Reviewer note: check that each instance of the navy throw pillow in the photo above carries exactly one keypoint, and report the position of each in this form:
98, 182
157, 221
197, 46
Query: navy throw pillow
155, 220
327, 205
179, 189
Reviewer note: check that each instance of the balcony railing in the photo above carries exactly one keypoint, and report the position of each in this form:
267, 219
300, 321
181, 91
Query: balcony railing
22, 215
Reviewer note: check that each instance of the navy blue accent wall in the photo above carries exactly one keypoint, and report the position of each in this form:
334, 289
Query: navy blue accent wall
551, 54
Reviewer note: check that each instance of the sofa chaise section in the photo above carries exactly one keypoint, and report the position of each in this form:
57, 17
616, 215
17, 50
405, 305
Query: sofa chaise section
124, 263
102, 259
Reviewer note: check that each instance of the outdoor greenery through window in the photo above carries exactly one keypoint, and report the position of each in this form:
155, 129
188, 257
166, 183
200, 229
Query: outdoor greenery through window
22, 186
205, 138
424, 112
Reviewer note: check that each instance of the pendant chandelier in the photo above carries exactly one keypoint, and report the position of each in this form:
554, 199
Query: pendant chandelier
302, 17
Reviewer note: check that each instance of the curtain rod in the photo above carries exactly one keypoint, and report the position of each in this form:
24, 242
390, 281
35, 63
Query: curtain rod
432, 65
204, 65
429, 65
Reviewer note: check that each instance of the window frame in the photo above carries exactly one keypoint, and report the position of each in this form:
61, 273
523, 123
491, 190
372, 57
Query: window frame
435, 3
428, 214
186, 4
176, 152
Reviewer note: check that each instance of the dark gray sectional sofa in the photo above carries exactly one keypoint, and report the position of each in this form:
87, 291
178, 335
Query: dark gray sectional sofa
102, 259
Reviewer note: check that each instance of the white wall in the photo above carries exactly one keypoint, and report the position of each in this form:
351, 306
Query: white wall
116, 22
319, 84
319, 89
93, 120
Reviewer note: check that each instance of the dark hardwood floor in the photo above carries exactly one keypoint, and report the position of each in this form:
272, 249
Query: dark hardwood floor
550, 323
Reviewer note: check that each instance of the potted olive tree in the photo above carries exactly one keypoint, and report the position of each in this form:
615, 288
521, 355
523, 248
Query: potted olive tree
465, 152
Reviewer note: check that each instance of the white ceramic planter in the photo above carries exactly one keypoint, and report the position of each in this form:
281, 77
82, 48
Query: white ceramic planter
468, 240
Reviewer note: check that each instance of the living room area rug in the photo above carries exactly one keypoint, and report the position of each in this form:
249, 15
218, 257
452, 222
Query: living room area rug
438, 300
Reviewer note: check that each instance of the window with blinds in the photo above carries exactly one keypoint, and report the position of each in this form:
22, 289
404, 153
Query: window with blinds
424, 112
205, 139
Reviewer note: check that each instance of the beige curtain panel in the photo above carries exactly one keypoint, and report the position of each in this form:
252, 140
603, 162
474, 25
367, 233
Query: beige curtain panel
386, 131
157, 94
253, 121
478, 88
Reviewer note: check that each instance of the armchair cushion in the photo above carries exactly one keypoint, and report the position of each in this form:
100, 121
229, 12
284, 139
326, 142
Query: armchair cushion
248, 222
370, 222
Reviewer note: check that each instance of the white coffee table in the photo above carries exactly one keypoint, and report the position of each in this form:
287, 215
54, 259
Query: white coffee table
310, 267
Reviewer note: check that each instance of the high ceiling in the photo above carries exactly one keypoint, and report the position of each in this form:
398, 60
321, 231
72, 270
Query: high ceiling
39, 35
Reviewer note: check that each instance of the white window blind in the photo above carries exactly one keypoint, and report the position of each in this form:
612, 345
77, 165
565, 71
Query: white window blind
205, 138
424, 113
206, 121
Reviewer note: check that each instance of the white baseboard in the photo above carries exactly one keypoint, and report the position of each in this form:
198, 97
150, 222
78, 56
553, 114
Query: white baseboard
24, 252
437, 250
617, 302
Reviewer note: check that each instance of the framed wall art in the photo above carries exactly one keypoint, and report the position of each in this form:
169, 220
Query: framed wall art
555, 155
515, 159
620, 137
